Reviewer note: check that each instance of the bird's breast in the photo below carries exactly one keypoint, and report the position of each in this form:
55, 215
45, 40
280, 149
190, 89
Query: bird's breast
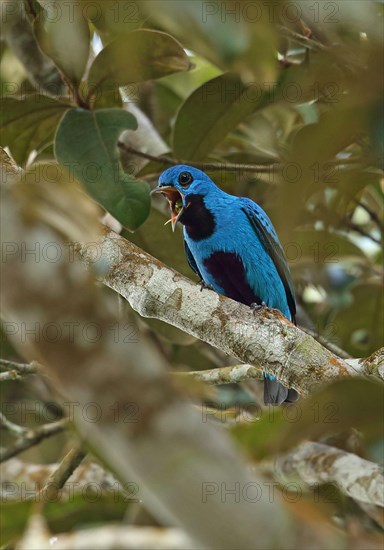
197, 218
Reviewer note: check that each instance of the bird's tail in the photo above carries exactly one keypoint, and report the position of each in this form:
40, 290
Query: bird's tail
275, 393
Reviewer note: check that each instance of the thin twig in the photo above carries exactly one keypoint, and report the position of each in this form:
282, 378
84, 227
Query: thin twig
223, 166
15, 371
372, 214
303, 40
201, 165
11, 426
33, 437
361, 231
60, 476
32, 10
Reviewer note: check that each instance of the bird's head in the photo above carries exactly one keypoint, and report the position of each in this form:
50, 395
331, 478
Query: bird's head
180, 182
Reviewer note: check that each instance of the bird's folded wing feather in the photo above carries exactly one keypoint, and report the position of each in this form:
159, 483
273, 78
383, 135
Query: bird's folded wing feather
191, 260
270, 241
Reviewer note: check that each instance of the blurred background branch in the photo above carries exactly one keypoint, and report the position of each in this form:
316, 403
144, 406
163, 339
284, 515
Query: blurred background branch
316, 463
26, 437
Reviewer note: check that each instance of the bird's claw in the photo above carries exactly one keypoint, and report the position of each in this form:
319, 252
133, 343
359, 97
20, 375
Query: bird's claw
203, 285
257, 307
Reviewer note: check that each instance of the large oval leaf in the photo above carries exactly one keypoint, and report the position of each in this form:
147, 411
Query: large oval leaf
86, 143
210, 112
63, 34
137, 56
29, 124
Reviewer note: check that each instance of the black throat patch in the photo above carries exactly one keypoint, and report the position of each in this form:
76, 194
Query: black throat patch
198, 220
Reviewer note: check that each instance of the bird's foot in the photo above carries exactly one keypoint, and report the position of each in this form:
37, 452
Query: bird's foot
257, 307
203, 285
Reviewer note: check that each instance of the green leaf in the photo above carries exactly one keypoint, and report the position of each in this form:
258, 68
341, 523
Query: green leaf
210, 112
74, 513
64, 39
337, 408
332, 411
29, 124
112, 18
135, 57
320, 247
86, 142
360, 326
226, 34
87, 507
183, 84
14, 518
316, 144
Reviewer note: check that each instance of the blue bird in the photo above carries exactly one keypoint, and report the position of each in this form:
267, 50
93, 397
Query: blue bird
231, 244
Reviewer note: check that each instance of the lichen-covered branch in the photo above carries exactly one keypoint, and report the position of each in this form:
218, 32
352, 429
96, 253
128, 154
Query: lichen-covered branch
316, 463
266, 340
20, 479
372, 365
225, 375
15, 371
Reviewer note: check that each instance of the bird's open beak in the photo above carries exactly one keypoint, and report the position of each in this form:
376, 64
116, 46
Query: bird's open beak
175, 200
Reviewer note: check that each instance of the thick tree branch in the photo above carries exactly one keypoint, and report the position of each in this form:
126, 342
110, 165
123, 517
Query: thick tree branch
268, 340
324, 342
316, 463
371, 366
225, 375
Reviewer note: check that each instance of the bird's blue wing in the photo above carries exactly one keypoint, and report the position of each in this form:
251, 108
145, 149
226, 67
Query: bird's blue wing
266, 233
191, 260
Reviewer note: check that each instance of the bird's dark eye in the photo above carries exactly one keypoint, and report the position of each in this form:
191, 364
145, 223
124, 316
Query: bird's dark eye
185, 178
